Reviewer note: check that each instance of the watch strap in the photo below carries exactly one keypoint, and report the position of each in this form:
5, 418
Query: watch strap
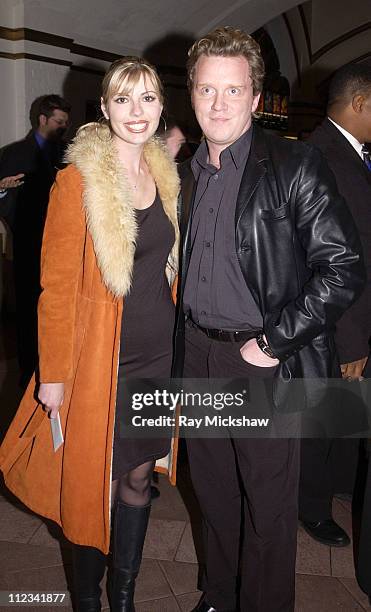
264, 347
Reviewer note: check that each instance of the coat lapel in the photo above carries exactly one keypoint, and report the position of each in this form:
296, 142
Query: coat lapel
343, 145
107, 199
255, 170
188, 192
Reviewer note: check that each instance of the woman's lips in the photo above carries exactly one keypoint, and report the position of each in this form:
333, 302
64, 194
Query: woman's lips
136, 127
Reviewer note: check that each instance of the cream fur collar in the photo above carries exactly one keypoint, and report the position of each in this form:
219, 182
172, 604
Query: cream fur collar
107, 201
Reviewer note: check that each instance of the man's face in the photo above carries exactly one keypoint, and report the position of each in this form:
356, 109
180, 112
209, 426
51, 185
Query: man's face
365, 119
54, 127
222, 98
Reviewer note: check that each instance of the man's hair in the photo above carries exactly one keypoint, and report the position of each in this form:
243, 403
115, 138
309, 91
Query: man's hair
349, 81
48, 104
228, 42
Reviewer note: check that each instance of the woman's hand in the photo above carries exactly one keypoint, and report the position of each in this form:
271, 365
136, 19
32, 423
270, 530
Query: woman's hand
51, 396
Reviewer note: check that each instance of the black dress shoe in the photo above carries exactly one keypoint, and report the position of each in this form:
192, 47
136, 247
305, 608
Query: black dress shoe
327, 532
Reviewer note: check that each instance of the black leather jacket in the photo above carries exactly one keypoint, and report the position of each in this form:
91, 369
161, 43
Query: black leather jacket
298, 249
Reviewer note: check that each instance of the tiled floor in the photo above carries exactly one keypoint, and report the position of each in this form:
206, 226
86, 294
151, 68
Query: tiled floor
34, 556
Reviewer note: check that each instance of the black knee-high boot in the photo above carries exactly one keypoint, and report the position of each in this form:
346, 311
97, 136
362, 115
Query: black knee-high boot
88, 568
128, 534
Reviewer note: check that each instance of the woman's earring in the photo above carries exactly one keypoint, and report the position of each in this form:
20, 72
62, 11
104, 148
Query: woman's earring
165, 126
102, 121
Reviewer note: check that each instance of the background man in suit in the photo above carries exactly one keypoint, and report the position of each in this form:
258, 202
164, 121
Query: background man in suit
37, 157
270, 259
329, 466
174, 137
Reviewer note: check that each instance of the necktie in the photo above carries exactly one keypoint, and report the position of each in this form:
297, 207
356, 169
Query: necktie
366, 157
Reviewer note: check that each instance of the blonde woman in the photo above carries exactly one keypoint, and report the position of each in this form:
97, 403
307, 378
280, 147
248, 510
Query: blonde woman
105, 314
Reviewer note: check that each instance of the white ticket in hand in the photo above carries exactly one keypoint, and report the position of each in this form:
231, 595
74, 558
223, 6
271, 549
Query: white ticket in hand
56, 429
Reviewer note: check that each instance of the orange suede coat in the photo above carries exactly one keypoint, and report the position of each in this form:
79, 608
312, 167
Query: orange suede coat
87, 262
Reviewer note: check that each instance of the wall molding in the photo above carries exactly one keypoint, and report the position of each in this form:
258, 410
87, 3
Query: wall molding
339, 40
54, 40
293, 45
313, 57
306, 31
61, 42
38, 58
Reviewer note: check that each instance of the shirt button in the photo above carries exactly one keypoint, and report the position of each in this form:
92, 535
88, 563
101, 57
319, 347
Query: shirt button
208, 244
203, 278
216, 176
211, 210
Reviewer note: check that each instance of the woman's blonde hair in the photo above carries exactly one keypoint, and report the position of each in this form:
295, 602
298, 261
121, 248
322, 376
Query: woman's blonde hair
228, 42
125, 73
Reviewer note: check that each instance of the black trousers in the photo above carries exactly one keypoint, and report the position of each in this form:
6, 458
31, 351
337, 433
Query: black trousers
328, 466
247, 490
363, 550
363, 485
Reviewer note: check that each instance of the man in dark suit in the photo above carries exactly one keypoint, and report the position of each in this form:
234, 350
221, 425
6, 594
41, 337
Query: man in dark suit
38, 158
270, 260
329, 466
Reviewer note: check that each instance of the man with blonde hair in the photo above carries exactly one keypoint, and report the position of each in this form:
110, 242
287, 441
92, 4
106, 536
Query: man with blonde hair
270, 260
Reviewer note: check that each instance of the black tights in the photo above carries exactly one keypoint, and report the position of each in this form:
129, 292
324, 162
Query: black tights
134, 488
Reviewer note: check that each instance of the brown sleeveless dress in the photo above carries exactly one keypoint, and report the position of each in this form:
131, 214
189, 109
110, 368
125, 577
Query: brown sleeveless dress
147, 331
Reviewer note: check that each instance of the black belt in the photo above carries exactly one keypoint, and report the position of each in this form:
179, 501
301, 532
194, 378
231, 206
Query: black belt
225, 336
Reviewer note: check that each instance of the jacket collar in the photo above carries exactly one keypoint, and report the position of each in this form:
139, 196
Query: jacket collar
107, 199
254, 171
343, 147
339, 139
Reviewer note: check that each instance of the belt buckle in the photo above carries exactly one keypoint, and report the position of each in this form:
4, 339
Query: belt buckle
207, 331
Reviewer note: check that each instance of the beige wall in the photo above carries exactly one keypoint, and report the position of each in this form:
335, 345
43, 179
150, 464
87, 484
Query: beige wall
132, 27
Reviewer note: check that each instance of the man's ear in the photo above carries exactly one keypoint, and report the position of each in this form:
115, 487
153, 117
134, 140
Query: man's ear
255, 102
357, 103
43, 120
192, 102
103, 109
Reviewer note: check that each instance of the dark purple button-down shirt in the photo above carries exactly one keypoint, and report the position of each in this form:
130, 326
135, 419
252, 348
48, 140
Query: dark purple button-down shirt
216, 294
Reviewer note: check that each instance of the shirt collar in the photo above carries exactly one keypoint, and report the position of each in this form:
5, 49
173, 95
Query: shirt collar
238, 152
240, 149
199, 159
41, 141
350, 138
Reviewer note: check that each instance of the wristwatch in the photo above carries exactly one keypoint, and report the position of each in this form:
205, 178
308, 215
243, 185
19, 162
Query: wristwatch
264, 347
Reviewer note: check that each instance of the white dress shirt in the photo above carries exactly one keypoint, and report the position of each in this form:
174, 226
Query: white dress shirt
353, 141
